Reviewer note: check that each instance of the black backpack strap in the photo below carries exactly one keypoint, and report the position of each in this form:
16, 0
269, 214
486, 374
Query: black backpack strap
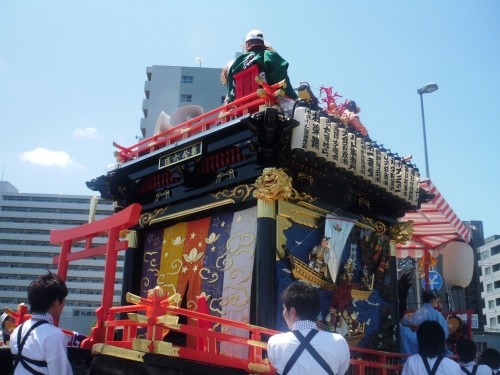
435, 367
305, 344
474, 369
19, 358
464, 369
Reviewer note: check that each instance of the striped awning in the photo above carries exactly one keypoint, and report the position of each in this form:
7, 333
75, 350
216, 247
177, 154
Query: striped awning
434, 224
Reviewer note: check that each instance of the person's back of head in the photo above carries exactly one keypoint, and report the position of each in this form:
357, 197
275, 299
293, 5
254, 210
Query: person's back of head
430, 338
254, 41
466, 350
428, 296
44, 291
491, 358
304, 298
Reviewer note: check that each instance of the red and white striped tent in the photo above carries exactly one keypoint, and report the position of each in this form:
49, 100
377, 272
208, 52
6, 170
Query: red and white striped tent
434, 224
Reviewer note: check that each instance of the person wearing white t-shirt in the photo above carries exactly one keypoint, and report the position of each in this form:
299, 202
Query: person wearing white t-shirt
306, 349
39, 347
467, 352
431, 357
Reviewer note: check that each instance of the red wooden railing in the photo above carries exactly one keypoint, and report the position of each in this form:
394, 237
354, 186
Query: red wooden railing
267, 96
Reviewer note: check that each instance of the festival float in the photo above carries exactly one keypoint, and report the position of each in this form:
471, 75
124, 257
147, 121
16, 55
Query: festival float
219, 213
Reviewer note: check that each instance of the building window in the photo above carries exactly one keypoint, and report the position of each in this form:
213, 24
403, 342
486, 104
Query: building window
491, 304
493, 322
186, 98
497, 284
489, 288
495, 250
487, 271
496, 267
485, 255
497, 301
187, 79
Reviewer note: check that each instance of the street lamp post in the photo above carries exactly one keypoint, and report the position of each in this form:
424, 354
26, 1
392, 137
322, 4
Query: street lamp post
427, 89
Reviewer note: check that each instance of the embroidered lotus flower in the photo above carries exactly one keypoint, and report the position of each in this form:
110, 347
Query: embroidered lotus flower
177, 241
193, 255
212, 238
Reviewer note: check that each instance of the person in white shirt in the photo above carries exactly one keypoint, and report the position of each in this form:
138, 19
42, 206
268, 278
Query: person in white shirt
431, 358
467, 351
306, 350
491, 358
39, 347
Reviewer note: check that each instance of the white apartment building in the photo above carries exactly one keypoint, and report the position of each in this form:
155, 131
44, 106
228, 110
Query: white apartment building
489, 262
170, 87
25, 251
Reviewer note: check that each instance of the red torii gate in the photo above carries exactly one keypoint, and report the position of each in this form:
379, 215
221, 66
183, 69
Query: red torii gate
111, 226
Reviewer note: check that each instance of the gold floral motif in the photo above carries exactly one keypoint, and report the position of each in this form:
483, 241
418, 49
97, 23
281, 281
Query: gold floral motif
193, 255
273, 184
401, 232
212, 238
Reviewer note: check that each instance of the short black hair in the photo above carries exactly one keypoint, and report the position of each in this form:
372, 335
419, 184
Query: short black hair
490, 357
428, 296
431, 340
304, 298
44, 291
466, 350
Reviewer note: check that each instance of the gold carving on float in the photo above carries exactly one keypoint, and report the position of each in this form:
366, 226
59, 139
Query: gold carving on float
141, 345
192, 210
158, 291
135, 317
259, 344
238, 192
401, 232
221, 175
148, 216
368, 223
171, 321
302, 176
364, 202
165, 348
273, 184
259, 367
114, 351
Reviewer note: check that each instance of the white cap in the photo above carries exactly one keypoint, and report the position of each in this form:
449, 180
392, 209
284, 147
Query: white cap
254, 34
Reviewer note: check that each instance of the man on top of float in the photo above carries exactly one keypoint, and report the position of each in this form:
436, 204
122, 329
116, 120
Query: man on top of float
272, 67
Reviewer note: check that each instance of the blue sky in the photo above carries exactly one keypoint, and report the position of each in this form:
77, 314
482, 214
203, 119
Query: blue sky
72, 79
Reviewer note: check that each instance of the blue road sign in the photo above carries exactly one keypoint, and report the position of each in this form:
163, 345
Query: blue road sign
435, 281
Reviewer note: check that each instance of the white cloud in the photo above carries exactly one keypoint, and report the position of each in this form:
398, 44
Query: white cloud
48, 158
86, 133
